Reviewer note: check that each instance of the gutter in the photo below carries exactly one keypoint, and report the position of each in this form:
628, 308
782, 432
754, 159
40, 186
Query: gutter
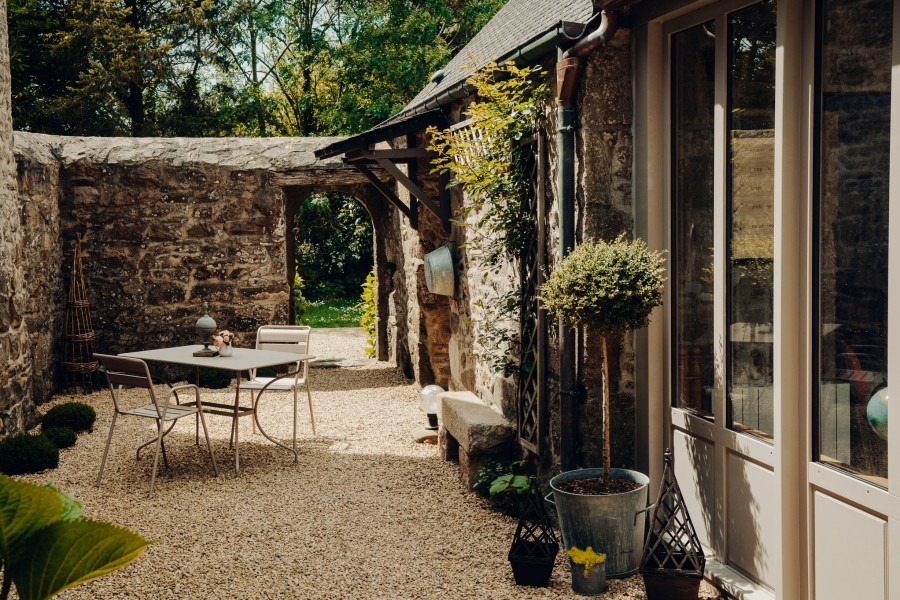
568, 76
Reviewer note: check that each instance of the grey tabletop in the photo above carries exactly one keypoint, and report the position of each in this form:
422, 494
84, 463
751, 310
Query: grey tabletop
242, 359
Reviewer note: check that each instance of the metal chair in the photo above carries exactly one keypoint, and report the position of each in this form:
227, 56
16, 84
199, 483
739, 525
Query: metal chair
283, 338
133, 372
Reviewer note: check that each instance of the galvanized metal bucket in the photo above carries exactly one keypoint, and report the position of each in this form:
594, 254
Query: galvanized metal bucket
612, 524
439, 271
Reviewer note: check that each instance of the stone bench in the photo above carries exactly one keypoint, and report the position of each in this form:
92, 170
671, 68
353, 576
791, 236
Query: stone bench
471, 432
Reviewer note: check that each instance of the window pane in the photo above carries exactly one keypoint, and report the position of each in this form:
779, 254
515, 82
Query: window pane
751, 194
693, 78
852, 245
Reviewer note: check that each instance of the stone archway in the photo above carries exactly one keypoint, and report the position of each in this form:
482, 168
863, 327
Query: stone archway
366, 195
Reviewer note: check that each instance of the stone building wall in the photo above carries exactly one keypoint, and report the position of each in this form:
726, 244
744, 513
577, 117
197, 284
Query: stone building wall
16, 406
45, 266
604, 198
603, 156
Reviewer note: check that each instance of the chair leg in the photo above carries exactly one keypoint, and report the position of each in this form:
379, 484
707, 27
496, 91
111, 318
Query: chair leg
162, 444
156, 460
295, 423
197, 429
202, 419
106, 450
253, 404
151, 442
312, 420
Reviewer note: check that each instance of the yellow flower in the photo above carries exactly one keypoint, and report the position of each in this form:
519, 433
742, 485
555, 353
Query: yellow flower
586, 557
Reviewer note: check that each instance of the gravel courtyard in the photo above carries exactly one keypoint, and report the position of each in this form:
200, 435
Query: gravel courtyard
365, 513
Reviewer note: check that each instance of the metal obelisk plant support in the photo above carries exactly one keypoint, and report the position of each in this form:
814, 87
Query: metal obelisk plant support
673, 559
79, 362
534, 546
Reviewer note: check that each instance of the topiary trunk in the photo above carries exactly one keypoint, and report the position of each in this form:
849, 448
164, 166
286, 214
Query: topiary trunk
605, 430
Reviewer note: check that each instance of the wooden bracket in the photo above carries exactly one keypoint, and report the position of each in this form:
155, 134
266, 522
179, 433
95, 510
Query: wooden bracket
385, 191
388, 159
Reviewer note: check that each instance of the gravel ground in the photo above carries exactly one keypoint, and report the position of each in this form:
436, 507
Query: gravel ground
365, 513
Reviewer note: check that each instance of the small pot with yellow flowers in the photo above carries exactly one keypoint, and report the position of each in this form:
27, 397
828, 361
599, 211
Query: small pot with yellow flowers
588, 571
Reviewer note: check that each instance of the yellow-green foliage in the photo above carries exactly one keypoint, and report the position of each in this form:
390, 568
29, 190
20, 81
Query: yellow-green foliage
587, 558
369, 313
486, 158
613, 286
300, 303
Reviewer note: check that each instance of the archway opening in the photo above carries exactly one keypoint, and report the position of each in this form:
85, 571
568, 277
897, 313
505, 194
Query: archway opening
331, 256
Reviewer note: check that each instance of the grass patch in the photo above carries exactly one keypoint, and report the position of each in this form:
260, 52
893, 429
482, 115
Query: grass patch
332, 313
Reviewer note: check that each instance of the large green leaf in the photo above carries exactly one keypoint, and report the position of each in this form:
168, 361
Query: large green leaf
68, 553
72, 509
24, 509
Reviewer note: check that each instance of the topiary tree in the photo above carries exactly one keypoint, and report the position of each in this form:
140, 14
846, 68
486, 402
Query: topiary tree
27, 453
77, 416
62, 437
610, 286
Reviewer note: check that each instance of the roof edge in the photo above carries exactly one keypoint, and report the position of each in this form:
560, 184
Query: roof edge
385, 131
538, 46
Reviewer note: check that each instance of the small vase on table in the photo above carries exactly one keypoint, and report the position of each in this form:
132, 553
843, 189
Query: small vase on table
223, 342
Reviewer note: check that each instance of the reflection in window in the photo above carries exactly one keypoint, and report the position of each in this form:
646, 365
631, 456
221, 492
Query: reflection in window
693, 82
751, 195
852, 242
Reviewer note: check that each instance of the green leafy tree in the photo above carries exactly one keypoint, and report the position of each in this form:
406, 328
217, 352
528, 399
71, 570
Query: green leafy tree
47, 546
334, 246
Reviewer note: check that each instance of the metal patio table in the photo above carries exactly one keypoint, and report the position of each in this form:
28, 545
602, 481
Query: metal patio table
242, 359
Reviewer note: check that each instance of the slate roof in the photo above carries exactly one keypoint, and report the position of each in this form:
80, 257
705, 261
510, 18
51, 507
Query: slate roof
514, 25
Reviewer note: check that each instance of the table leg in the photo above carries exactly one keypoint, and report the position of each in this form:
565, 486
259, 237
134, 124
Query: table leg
234, 422
260, 427
197, 416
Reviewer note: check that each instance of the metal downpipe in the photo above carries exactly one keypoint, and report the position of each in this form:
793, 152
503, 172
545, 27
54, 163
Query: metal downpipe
568, 74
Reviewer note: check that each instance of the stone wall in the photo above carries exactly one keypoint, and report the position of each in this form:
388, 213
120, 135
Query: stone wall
166, 224
16, 406
603, 195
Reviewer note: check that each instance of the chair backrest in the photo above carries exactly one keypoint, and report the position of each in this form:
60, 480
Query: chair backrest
285, 338
132, 372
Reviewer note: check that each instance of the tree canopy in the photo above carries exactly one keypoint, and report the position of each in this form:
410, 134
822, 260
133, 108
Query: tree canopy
227, 67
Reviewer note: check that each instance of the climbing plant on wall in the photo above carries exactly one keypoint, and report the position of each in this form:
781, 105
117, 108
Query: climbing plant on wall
487, 157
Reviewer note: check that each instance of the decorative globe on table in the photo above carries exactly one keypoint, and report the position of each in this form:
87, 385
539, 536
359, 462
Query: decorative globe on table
205, 327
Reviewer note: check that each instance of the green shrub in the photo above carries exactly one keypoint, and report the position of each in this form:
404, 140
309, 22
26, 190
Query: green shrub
613, 286
77, 416
215, 379
369, 313
62, 437
27, 453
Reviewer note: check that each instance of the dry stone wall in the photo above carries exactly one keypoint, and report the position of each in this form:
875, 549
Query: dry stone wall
166, 224
16, 377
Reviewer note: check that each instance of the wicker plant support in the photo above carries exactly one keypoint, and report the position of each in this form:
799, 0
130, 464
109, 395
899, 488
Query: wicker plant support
673, 560
535, 545
79, 362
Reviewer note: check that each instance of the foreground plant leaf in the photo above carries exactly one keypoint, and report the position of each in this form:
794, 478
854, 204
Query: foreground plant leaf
72, 509
66, 554
24, 509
